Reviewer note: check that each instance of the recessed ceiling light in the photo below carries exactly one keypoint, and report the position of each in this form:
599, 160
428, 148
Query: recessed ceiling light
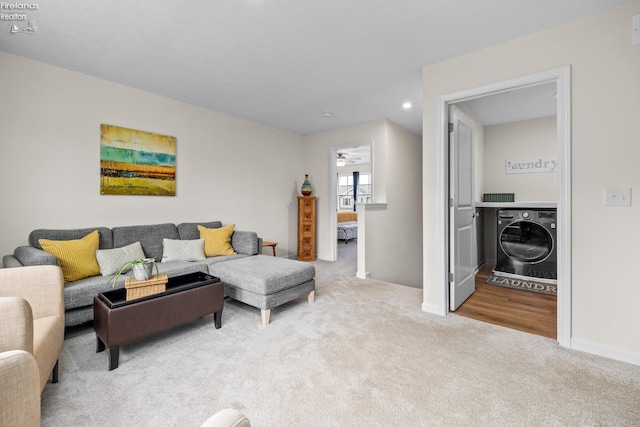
327, 115
407, 105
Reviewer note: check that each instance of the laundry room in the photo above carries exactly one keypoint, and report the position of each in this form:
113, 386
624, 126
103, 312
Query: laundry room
515, 184
515, 158
520, 160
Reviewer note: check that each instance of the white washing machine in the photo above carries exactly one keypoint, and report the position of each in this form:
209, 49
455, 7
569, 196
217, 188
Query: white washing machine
527, 244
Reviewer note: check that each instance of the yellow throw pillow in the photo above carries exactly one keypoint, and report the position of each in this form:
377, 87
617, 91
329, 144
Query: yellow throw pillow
77, 258
217, 241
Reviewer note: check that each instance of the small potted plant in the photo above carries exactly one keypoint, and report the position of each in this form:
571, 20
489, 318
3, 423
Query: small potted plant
142, 269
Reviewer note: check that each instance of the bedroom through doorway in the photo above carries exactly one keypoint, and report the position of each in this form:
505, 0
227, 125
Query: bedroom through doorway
353, 188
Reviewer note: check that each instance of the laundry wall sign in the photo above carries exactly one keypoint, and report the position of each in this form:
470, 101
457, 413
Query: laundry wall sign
531, 165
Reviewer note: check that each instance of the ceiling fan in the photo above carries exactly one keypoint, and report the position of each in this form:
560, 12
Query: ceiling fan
341, 160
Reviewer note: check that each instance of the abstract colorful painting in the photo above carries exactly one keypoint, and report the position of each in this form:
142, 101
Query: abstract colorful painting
134, 162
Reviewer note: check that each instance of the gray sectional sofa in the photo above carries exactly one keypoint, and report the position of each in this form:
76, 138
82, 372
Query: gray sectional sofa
296, 279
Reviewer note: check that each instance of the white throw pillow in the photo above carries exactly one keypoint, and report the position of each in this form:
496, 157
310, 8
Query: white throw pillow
110, 260
182, 250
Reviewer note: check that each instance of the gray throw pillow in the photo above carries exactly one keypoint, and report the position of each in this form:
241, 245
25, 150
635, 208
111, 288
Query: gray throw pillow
110, 260
182, 250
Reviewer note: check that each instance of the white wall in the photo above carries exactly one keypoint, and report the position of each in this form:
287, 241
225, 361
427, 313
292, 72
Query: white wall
605, 128
394, 235
518, 140
228, 169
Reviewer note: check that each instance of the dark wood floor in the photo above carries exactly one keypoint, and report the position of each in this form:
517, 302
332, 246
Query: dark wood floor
525, 311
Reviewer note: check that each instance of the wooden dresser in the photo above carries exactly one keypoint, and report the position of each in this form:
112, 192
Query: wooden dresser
306, 228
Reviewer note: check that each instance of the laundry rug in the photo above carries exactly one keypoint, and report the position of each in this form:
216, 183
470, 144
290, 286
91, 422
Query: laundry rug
524, 285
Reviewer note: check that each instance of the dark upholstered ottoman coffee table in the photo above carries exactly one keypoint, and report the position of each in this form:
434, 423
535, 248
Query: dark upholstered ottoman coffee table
117, 321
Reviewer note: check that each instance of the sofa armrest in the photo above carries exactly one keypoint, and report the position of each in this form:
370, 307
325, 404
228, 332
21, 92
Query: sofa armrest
41, 285
245, 242
20, 391
16, 324
28, 255
10, 261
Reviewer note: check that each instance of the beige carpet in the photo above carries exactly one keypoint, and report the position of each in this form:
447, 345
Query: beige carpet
363, 355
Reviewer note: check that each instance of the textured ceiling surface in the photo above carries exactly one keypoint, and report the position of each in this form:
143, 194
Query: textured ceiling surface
282, 63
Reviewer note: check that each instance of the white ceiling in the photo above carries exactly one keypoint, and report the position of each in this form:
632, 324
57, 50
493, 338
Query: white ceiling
282, 63
526, 103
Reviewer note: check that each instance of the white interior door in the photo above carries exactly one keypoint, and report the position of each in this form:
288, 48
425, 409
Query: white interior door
462, 210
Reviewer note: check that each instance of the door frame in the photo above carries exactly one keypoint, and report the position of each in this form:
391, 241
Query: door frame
562, 77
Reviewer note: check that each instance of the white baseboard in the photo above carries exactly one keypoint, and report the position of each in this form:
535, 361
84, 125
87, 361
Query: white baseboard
432, 309
364, 275
605, 351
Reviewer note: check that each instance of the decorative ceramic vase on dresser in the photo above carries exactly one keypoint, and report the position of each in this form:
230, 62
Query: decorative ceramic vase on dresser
306, 186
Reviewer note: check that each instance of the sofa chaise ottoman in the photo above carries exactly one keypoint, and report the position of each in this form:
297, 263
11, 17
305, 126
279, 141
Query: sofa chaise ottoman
266, 282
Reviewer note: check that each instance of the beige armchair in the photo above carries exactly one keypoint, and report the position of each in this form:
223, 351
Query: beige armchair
32, 315
20, 389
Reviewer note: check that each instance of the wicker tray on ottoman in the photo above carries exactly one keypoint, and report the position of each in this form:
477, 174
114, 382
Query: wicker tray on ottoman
142, 288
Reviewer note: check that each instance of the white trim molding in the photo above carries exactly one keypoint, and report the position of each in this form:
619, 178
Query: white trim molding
605, 351
373, 206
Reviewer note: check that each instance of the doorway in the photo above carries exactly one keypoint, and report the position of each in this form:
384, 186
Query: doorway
352, 184
561, 78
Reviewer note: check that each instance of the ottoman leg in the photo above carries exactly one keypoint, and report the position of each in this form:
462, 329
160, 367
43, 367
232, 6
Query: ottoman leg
114, 357
99, 345
217, 319
311, 297
265, 316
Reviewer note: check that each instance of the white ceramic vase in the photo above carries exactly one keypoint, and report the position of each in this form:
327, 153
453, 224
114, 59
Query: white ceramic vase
142, 271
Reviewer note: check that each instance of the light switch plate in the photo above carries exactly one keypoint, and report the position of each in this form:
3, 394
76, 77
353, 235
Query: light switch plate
636, 30
617, 196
